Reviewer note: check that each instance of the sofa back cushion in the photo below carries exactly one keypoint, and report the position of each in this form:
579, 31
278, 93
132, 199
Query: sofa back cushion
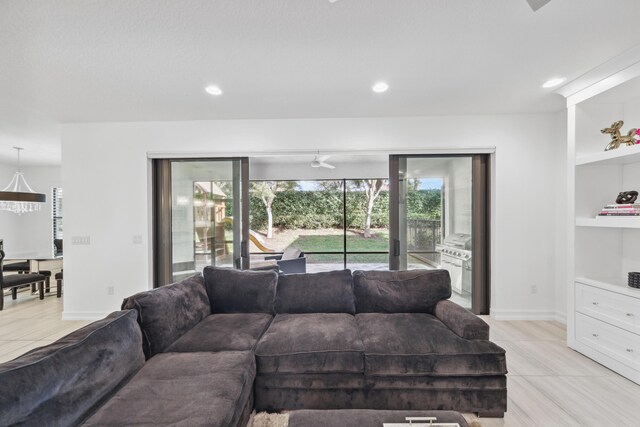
414, 291
327, 292
62, 383
166, 313
234, 291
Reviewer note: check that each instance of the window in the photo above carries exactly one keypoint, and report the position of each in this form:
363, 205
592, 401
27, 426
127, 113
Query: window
57, 213
336, 223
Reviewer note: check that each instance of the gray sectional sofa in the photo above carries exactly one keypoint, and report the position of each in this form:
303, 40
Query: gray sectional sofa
212, 348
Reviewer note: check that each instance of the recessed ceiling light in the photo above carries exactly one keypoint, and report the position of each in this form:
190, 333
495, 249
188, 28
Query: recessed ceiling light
213, 90
380, 87
553, 82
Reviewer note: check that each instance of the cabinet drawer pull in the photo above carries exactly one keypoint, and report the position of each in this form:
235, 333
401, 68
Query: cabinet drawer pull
629, 350
595, 303
595, 335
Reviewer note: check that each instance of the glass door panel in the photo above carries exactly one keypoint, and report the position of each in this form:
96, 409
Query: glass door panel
433, 220
202, 223
367, 223
304, 215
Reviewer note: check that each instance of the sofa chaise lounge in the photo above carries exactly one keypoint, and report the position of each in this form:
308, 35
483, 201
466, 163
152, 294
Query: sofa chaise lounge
210, 349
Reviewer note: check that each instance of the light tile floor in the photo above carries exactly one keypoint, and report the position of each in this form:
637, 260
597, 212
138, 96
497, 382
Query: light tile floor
28, 322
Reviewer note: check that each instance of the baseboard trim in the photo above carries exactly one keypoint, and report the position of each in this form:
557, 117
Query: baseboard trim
499, 314
83, 315
561, 317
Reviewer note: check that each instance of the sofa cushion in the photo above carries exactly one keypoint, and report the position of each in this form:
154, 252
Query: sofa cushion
311, 343
234, 291
183, 389
224, 332
59, 384
166, 313
420, 344
414, 291
327, 292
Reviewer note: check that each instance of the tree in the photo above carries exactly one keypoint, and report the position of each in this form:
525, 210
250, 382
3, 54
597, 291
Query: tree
414, 184
371, 189
267, 190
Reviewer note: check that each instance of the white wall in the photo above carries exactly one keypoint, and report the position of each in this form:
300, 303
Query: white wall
460, 195
559, 215
106, 183
30, 232
302, 171
8, 220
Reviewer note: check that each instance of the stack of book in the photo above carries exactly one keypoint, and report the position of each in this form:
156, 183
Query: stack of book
629, 209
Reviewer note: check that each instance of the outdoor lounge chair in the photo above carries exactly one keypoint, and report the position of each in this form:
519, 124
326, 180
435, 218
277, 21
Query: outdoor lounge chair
291, 261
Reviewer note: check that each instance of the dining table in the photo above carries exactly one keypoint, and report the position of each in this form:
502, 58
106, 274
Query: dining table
37, 260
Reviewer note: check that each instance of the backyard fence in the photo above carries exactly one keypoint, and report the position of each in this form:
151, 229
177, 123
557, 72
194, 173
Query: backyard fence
422, 237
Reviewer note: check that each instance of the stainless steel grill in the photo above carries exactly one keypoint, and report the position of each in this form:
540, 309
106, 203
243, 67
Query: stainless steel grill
455, 256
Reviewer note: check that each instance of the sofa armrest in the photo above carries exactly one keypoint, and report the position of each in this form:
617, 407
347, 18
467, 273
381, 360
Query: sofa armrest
461, 321
167, 312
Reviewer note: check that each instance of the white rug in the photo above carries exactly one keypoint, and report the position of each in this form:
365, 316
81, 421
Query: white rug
263, 419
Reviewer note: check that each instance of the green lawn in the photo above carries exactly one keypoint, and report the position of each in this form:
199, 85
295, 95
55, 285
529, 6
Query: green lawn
335, 242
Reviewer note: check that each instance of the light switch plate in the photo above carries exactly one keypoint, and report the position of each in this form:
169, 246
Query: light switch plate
80, 240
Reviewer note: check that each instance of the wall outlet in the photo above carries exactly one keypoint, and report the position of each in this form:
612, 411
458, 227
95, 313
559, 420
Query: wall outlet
80, 240
534, 289
137, 239
110, 290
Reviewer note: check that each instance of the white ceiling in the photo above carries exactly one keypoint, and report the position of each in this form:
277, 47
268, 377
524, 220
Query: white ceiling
132, 60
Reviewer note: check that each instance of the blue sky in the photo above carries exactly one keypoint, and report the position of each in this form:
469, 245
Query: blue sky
431, 184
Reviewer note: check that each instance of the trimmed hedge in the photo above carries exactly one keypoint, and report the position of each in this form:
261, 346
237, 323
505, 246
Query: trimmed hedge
324, 209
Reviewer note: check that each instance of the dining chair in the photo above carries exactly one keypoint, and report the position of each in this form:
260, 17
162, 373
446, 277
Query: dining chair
15, 281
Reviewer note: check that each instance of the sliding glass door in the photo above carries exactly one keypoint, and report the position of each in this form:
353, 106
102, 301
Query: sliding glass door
201, 216
439, 218
338, 223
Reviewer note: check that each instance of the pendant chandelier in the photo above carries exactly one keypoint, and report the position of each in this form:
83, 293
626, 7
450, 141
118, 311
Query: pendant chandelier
18, 197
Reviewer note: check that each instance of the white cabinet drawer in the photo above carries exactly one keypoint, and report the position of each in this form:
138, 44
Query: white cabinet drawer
619, 310
614, 342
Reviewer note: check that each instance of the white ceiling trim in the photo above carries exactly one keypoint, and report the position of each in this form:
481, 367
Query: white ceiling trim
602, 78
275, 153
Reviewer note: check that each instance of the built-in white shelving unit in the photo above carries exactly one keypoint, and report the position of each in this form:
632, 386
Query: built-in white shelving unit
621, 156
603, 316
622, 222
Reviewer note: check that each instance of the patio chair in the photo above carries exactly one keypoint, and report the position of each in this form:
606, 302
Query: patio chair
291, 261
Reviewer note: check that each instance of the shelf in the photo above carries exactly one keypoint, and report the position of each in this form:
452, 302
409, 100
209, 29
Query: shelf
620, 156
613, 284
618, 222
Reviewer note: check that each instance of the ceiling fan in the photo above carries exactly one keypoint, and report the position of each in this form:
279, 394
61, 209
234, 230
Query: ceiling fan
319, 162
537, 4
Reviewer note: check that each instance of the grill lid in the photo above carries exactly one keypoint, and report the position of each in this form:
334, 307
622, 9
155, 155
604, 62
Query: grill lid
458, 240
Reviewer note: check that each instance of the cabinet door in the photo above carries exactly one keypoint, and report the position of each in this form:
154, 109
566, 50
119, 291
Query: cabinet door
610, 340
619, 310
